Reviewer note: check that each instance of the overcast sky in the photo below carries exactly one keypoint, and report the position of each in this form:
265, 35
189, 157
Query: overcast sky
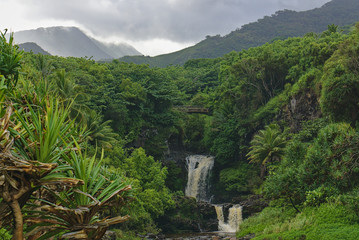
151, 26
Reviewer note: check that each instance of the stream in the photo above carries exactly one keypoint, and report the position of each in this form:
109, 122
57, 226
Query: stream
202, 236
193, 236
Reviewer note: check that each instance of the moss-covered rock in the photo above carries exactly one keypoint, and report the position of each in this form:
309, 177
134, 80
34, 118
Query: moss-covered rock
188, 215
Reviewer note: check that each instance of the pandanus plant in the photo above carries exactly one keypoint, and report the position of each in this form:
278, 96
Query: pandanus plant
30, 148
47, 135
76, 212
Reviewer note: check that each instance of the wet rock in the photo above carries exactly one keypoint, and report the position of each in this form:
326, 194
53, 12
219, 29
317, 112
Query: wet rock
151, 236
208, 217
189, 216
204, 236
247, 237
184, 217
251, 204
109, 235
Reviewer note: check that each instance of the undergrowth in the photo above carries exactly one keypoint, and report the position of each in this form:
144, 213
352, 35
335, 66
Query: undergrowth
328, 221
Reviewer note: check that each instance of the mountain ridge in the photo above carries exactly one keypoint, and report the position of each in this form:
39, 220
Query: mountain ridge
32, 47
71, 41
280, 25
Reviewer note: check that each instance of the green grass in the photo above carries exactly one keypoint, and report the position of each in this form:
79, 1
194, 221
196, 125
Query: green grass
328, 221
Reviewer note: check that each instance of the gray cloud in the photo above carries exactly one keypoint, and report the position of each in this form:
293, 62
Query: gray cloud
176, 20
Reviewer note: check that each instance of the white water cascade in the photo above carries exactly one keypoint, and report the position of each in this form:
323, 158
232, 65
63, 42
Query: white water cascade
233, 221
199, 168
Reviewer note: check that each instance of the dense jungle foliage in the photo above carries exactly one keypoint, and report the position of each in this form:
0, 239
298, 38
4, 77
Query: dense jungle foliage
84, 144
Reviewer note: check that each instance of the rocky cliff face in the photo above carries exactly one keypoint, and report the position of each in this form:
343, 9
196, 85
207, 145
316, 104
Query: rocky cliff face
252, 204
208, 217
302, 107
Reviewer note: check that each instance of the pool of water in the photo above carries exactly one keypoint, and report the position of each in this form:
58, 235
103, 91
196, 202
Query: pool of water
202, 236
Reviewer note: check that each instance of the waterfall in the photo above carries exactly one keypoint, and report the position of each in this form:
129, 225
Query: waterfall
233, 221
199, 168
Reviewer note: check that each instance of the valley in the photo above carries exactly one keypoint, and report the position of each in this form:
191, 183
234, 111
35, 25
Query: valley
260, 142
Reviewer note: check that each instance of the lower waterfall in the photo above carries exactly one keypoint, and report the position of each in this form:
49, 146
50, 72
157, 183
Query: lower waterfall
199, 168
233, 221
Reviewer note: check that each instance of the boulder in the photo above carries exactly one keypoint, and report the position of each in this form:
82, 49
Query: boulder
252, 204
208, 217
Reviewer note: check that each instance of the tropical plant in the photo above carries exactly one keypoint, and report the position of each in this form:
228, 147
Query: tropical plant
31, 147
41, 161
100, 132
44, 65
267, 146
340, 89
46, 132
48, 136
10, 59
70, 93
75, 212
19, 177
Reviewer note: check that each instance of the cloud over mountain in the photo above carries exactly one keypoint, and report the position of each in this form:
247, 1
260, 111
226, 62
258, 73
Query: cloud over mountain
176, 20
71, 41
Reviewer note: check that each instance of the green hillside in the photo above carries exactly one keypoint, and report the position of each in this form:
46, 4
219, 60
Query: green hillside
281, 25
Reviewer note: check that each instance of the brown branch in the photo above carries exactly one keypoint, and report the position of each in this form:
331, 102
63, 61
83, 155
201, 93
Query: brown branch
19, 224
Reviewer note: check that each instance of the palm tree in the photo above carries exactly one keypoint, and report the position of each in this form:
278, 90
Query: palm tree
267, 146
70, 93
44, 65
100, 132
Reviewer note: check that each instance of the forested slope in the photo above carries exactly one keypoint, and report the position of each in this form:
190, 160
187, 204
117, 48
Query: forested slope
281, 25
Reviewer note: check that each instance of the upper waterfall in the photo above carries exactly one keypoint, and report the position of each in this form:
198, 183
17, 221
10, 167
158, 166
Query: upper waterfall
199, 167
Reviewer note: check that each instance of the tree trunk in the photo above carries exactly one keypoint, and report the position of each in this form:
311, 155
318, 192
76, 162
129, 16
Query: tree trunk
19, 224
291, 201
263, 171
